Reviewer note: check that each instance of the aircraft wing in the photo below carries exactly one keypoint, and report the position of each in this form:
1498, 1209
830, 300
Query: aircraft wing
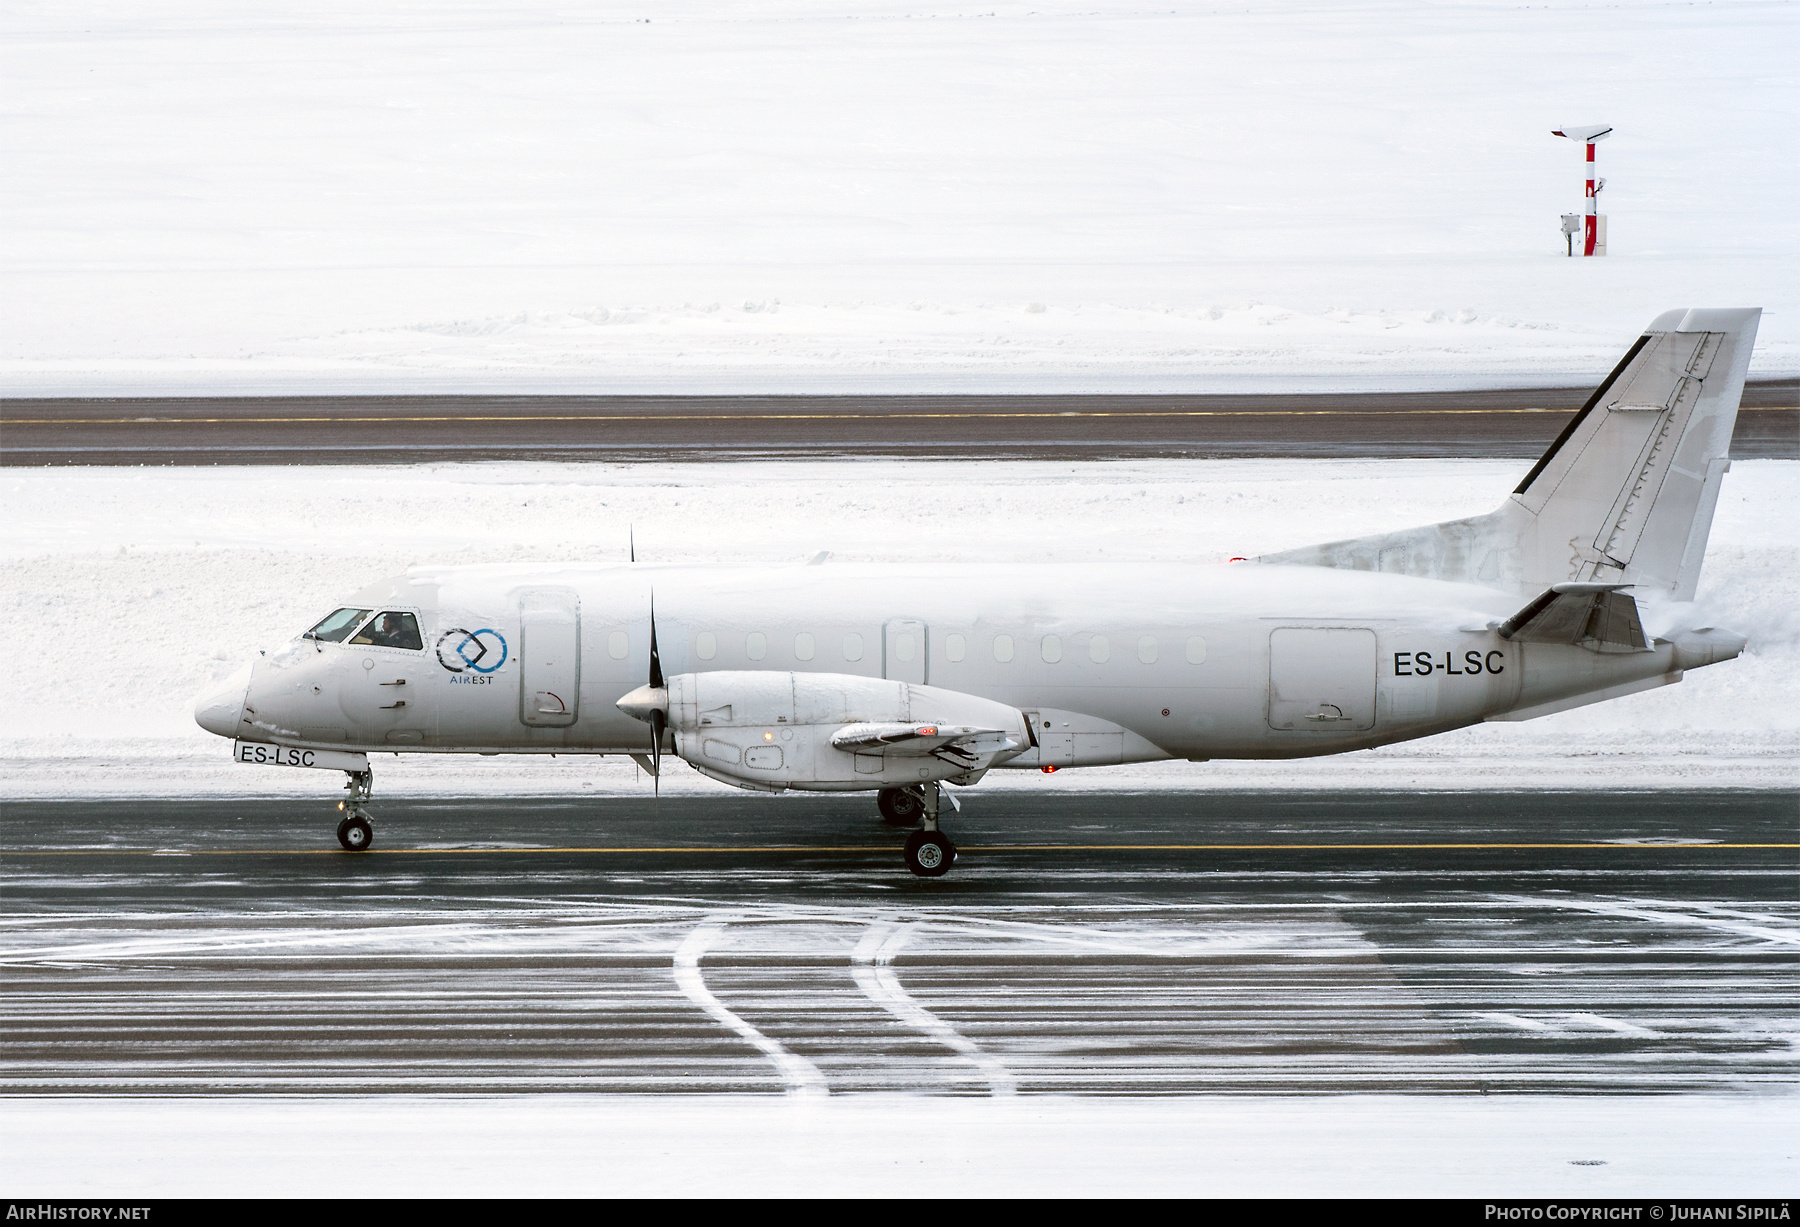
1598, 617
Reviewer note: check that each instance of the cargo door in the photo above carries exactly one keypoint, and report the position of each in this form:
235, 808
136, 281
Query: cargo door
903, 651
1322, 679
549, 657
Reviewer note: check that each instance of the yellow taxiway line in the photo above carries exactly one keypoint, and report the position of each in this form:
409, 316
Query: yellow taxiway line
804, 417
743, 848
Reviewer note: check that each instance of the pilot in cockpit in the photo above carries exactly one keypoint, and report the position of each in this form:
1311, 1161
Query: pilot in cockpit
392, 630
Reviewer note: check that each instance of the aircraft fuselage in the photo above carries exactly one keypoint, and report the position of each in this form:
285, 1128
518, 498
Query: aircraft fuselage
1115, 663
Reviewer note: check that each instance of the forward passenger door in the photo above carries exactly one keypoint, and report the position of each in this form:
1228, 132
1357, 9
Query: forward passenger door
549, 657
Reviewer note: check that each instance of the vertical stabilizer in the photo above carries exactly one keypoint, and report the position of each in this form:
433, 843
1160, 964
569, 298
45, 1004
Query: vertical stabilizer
1626, 493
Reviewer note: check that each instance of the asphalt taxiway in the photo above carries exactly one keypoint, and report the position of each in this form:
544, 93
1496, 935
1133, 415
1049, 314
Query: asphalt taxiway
412, 429
1085, 943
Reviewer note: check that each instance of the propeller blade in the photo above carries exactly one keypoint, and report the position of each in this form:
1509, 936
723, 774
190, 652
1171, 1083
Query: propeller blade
656, 674
658, 719
657, 722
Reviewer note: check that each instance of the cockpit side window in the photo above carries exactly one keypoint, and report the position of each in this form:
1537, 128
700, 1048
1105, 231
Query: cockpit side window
339, 624
392, 630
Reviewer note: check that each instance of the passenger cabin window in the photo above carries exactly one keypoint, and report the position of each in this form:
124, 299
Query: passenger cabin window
955, 647
804, 647
756, 645
1052, 649
618, 644
338, 625
1147, 649
1003, 648
853, 646
392, 630
706, 645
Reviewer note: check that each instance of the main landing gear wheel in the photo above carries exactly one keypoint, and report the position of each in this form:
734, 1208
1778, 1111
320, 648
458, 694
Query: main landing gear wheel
901, 807
929, 854
355, 833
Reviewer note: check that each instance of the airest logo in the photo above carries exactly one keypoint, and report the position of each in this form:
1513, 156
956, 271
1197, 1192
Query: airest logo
482, 651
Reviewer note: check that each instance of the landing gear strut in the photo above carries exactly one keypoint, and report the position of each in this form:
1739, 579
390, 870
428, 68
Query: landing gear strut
929, 852
355, 831
901, 807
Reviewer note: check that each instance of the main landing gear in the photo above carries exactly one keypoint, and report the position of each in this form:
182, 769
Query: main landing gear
929, 852
355, 831
901, 807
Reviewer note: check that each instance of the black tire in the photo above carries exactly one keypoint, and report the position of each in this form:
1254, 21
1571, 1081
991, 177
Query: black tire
900, 806
355, 833
929, 854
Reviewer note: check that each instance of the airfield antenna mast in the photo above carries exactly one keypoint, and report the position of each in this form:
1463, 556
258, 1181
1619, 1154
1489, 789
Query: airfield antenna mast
1593, 241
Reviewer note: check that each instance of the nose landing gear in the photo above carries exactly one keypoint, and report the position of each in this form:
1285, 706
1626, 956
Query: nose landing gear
929, 852
355, 832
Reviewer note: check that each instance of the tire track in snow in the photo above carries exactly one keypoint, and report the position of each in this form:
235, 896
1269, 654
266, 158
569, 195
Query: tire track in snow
802, 1076
1666, 913
872, 965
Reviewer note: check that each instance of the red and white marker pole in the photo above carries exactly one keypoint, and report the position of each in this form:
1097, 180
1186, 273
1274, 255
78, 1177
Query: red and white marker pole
1593, 207
1588, 135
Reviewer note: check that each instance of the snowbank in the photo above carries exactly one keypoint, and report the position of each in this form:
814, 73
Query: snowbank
863, 194
130, 590
706, 1146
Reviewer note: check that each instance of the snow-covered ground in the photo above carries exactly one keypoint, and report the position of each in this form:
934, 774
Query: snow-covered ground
878, 194
579, 1146
127, 591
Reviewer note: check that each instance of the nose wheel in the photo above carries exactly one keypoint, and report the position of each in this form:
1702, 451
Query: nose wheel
929, 852
355, 832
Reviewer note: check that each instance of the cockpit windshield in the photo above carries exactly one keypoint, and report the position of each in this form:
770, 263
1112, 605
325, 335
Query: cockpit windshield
392, 630
334, 628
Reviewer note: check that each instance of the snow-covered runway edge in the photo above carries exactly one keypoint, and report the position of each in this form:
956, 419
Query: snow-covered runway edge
127, 591
557, 1146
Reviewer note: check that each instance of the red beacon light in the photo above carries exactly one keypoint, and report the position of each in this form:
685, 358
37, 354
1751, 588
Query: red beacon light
1048, 768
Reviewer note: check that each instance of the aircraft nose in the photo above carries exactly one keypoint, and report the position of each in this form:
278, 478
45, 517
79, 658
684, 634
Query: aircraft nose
221, 709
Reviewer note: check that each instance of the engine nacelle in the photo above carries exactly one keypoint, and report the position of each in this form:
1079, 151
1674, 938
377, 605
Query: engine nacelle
832, 732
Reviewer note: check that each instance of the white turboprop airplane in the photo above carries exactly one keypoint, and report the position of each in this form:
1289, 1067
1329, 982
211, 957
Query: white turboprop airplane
902, 679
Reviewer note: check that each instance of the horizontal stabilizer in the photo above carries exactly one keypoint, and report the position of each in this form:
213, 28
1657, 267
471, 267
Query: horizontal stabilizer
1598, 617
